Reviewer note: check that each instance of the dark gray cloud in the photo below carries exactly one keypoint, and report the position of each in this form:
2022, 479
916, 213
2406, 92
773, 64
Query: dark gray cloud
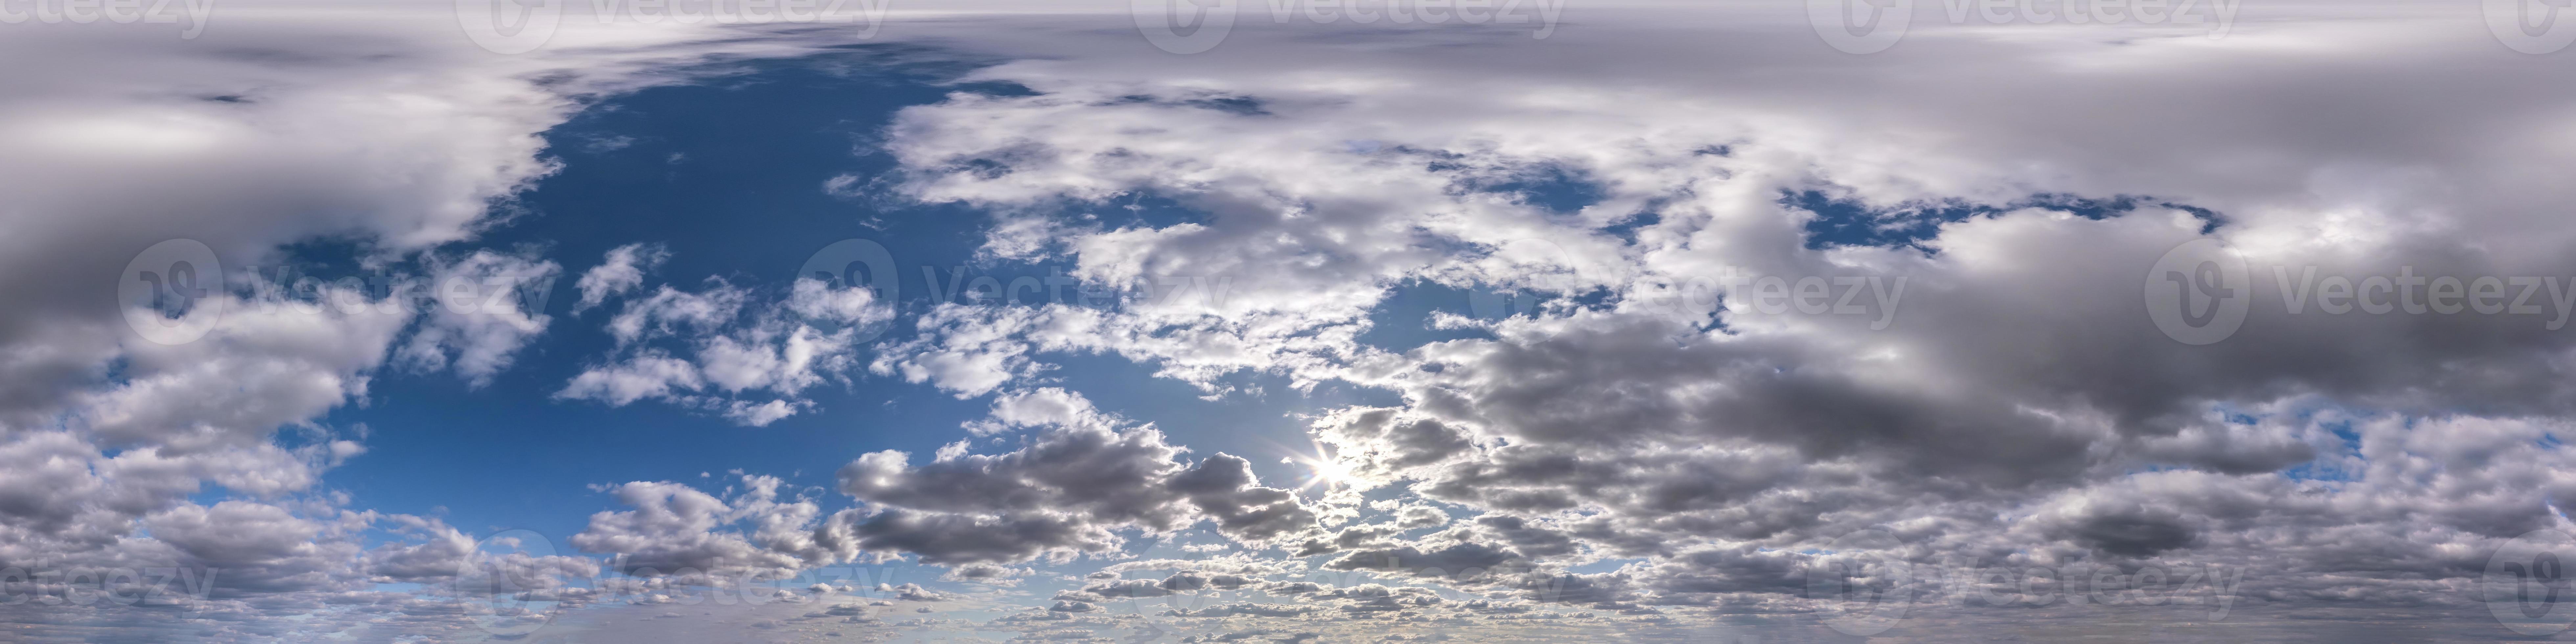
1694, 456
2016, 405
1063, 493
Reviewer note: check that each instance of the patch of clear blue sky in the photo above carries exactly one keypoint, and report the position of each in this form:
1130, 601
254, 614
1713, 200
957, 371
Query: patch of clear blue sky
1844, 221
728, 172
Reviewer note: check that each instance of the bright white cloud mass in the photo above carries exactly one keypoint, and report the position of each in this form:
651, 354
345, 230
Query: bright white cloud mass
1287, 321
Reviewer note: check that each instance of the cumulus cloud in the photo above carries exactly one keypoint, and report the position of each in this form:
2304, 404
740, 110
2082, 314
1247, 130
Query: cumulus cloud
1065, 492
733, 352
482, 314
677, 530
282, 127
1987, 384
622, 271
1686, 433
1040, 407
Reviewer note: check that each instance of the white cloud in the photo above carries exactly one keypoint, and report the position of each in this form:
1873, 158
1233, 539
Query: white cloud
275, 125
2018, 407
622, 271
1062, 495
479, 315
2006, 403
678, 530
779, 349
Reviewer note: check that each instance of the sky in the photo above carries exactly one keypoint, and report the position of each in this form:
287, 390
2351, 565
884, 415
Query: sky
1286, 321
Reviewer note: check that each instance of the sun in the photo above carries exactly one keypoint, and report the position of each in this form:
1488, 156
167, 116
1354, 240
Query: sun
1322, 470
1330, 472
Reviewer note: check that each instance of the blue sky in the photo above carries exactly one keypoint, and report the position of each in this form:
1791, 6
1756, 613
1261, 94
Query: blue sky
743, 202
1628, 321
741, 198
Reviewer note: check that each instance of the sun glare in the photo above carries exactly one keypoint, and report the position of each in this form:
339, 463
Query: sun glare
1322, 470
